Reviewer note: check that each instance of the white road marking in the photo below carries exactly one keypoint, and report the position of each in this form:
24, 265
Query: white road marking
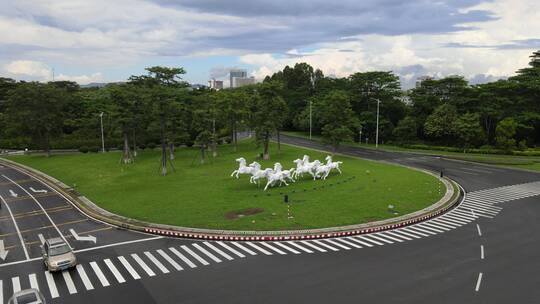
259, 248
119, 244
368, 236
170, 260
33, 281
42, 209
41, 238
219, 251
207, 253
12, 193
23, 245
435, 227
466, 217
272, 248
313, 246
479, 231
287, 247
448, 217
143, 265
477, 170
114, 271
244, 248
300, 247
69, 282
1, 291
156, 262
129, 268
324, 245
38, 191
86, 281
397, 236
481, 209
16, 284
478, 282
445, 223
420, 230
102, 279
481, 252
414, 234
343, 240
238, 253
88, 238
357, 239
193, 254
182, 257
403, 235
51, 284
333, 242
369, 240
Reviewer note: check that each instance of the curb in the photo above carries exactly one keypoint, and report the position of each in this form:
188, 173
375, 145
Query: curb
87, 207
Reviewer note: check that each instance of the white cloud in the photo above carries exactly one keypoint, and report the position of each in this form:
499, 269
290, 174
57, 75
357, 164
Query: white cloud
35, 70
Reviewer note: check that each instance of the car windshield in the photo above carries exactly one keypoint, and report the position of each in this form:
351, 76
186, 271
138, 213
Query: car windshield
58, 250
27, 298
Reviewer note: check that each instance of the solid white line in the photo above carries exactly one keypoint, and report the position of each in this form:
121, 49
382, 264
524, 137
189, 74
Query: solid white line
183, 257
259, 248
42, 209
244, 248
16, 228
69, 282
143, 265
219, 251
479, 231
170, 260
343, 240
333, 242
129, 268
152, 258
238, 253
1, 291
300, 247
114, 271
33, 281
356, 239
51, 284
313, 246
86, 281
325, 245
287, 248
273, 248
363, 237
16, 284
196, 256
481, 252
210, 255
119, 244
102, 279
478, 282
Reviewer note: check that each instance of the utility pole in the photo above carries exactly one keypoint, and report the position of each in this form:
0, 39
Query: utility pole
102, 137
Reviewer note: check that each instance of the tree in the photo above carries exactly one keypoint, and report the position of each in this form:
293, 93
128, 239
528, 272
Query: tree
203, 119
124, 113
35, 110
441, 123
406, 129
505, 133
336, 117
268, 113
232, 107
468, 130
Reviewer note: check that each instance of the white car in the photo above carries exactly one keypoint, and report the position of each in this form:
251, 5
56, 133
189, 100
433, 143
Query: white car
27, 296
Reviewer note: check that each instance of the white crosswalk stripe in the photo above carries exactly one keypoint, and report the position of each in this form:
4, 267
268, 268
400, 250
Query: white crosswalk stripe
358, 240
102, 279
236, 252
325, 245
445, 223
378, 237
82, 274
33, 281
16, 283
143, 265
434, 226
118, 276
196, 256
410, 235
453, 220
249, 251
219, 251
331, 241
183, 257
287, 247
259, 248
129, 268
364, 238
272, 248
169, 260
156, 262
417, 231
69, 282
208, 254
313, 246
300, 247
343, 240
51, 284
400, 235
389, 236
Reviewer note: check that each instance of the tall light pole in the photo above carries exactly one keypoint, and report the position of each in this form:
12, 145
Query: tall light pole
102, 138
377, 132
310, 120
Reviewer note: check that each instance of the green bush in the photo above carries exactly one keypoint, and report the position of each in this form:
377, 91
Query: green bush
142, 146
94, 149
83, 149
527, 153
151, 145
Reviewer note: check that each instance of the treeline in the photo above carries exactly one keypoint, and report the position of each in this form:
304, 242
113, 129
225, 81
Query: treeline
159, 109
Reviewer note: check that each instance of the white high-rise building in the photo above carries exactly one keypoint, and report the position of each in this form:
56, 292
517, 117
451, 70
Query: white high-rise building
215, 84
237, 73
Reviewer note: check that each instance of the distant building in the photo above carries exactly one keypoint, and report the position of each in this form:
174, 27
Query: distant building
236, 74
242, 81
421, 79
215, 84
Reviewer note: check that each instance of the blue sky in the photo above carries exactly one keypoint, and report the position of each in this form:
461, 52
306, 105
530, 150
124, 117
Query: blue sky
102, 41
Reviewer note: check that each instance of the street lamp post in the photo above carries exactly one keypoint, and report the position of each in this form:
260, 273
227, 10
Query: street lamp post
102, 138
310, 120
377, 132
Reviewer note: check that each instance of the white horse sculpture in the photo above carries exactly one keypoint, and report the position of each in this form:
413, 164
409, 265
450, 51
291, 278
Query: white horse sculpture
242, 168
259, 175
300, 169
310, 167
333, 165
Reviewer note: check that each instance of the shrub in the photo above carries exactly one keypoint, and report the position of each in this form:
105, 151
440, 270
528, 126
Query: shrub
142, 146
83, 149
93, 149
151, 145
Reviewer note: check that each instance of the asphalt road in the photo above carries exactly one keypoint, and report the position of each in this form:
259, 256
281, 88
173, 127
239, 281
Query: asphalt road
485, 251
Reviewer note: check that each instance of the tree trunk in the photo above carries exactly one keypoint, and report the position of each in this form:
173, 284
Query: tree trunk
214, 144
163, 146
233, 128
203, 155
266, 154
47, 145
134, 145
126, 154
278, 141
171, 150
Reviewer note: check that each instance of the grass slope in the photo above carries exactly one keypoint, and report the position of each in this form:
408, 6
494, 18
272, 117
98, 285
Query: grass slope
200, 195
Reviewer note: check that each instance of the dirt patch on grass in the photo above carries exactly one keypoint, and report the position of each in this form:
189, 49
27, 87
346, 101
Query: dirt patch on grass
233, 215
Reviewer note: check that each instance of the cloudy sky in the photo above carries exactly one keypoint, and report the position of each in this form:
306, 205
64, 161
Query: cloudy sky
103, 40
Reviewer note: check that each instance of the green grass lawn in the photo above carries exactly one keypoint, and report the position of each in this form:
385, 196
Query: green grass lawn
201, 195
511, 161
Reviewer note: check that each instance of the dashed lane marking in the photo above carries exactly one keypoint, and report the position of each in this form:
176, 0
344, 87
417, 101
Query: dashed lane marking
478, 282
481, 252
479, 231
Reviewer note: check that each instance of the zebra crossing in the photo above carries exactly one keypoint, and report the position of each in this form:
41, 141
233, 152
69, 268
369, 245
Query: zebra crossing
111, 271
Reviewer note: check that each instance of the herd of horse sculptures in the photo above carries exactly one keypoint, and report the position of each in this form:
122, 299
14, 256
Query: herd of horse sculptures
316, 169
